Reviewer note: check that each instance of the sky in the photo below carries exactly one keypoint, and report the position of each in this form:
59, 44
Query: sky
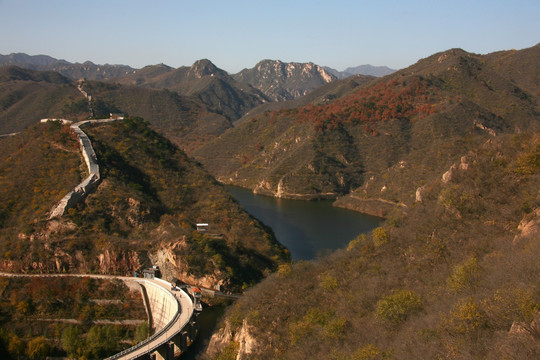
236, 34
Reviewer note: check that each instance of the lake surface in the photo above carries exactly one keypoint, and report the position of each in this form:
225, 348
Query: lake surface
307, 228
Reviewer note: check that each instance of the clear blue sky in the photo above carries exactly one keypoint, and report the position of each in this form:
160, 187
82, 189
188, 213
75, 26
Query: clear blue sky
237, 34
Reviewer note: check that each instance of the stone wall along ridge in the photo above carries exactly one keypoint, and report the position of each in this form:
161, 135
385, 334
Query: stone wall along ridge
92, 180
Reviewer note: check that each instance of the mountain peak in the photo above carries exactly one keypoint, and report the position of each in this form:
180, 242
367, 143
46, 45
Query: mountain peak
284, 81
204, 67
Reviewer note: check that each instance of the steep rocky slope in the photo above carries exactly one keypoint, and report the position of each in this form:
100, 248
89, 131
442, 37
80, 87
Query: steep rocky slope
143, 212
285, 81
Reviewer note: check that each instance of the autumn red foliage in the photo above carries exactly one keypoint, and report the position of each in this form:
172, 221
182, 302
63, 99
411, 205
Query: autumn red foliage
392, 99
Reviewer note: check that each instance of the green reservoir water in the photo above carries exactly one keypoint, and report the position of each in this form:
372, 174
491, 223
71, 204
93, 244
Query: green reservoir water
307, 228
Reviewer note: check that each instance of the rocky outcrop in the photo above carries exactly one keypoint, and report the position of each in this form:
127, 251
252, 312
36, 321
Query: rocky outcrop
247, 343
119, 262
529, 227
285, 81
449, 175
58, 260
172, 264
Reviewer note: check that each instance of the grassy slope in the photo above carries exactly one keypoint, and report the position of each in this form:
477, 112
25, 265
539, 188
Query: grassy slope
38, 167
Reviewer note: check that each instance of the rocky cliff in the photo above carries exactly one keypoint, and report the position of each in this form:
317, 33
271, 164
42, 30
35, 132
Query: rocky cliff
281, 81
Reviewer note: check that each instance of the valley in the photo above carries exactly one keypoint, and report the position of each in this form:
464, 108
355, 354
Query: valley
440, 161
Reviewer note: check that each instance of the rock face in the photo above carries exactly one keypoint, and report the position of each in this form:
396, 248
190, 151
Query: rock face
107, 262
529, 227
247, 344
285, 81
171, 264
448, 176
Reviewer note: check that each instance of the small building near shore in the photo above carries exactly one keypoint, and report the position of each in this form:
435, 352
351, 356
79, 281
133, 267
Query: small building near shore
202, 227
152, 272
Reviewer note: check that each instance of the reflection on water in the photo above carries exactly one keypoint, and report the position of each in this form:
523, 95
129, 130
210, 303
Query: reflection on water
307, 228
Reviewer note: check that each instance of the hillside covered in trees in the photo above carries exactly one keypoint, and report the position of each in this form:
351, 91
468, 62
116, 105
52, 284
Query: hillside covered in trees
448, 151
143, 212
416, 121
454, 276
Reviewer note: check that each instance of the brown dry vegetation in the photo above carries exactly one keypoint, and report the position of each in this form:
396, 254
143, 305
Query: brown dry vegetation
148, 202
447, 280
44, 310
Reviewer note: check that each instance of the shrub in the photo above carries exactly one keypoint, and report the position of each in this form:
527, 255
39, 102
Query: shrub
329, 282
229, 352
528, 163
464, 275
366, 352
396, 307
360, 239
38, 348
284, 270
380, 236
335, 328
466, 317
16, 346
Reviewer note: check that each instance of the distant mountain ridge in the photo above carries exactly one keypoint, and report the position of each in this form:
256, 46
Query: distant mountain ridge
377, 71
202, 80
74, 71
268, 80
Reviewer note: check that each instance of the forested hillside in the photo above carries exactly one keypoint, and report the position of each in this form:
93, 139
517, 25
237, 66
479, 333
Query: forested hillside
456, 276
143, 212
414, 123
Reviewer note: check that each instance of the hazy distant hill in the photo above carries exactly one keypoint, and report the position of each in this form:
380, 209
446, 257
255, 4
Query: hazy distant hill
73, 71
26, 96
376, 71
284, 81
